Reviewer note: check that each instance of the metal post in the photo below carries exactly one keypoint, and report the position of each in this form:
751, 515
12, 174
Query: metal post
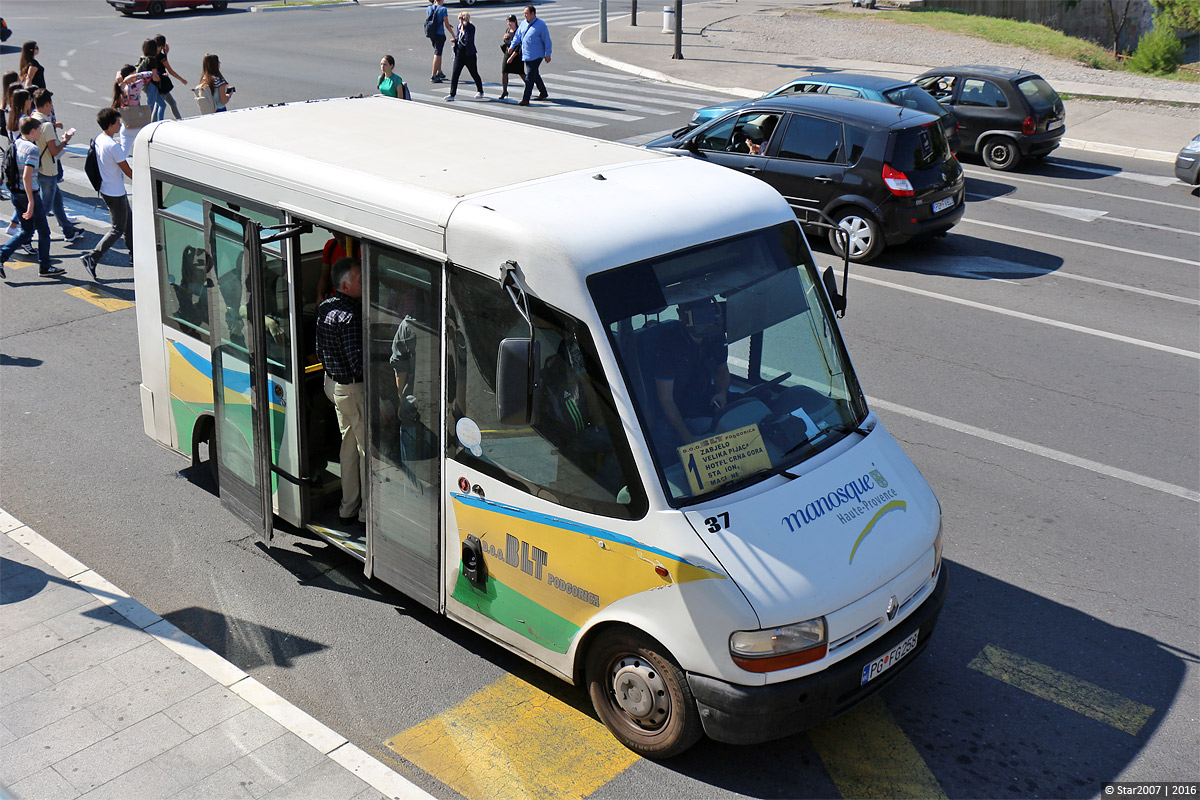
603, 21
678, 30
633, 14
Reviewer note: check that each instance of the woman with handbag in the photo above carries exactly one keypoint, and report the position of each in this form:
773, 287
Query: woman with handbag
516, 67
465, 55
213, 84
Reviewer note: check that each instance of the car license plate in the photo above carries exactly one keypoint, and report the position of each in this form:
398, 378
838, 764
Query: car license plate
943, 204
889, 659
1054, 124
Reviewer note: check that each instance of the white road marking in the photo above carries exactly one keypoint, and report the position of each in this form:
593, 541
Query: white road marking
530, 114
1032, 318
980, 173
577, 84
1140, 224
1038, 450
85, 90
1123, 287
66, 76
1072, 212
1116, 172
1027, 232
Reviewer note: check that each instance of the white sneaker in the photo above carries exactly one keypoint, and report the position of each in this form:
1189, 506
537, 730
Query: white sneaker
479, 96
449, 98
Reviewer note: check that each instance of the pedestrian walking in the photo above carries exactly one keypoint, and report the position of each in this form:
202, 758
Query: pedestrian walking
213, 82
114, 169
11, 81
390, 84
32, 74
28, 202
165, 73
339, 346
50, 148
533, 39
466, 55
509, 66
436, 21
149, 63
20, 106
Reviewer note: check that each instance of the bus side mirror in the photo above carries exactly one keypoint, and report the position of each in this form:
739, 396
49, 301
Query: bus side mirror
517, 378
836, 299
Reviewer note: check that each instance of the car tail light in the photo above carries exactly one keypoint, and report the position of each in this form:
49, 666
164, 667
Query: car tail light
1029, 126
897, 182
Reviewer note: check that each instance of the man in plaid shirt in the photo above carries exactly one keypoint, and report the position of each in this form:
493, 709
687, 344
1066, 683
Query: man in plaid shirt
339, 346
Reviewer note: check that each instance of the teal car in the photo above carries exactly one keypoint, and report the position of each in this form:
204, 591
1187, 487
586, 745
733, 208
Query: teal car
851, 84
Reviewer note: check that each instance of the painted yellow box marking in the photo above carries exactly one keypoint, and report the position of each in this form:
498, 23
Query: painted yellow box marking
1058, 687
514, 741
868, 756
99, 298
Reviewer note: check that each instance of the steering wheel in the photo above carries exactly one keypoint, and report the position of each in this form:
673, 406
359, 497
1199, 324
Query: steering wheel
763, 389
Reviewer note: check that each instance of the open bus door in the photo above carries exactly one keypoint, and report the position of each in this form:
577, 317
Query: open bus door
241, 398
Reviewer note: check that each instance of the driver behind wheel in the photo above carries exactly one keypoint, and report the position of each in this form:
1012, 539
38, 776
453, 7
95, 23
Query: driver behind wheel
687, 360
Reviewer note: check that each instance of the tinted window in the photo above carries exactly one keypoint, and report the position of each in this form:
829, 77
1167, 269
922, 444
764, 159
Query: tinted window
856, 143
914, 97
812, 139
919, 148
800, 88
1039, 94
842, 91
978, 92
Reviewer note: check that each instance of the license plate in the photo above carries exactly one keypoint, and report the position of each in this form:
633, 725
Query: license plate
943, 204
889, 659
1054, 124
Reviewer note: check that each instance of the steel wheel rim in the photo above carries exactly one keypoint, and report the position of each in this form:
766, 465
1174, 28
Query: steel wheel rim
639, 692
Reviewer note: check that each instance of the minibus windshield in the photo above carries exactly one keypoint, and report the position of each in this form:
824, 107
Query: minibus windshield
733, 360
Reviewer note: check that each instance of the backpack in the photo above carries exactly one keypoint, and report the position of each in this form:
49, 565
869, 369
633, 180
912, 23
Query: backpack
12, 170
433, 22
91, 166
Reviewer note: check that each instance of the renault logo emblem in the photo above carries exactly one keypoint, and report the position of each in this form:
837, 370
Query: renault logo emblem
892, 607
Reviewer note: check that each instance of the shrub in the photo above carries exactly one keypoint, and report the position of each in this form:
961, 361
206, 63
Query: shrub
1160, 52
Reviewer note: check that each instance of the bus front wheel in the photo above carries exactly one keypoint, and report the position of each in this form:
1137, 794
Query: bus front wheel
641, 694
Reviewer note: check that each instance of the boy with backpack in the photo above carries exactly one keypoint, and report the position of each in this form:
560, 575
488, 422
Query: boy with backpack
437, 25
51, 147
110, 159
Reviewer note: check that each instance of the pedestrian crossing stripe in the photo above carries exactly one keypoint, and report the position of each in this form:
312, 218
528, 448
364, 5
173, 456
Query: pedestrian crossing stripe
1066, 690
98, 298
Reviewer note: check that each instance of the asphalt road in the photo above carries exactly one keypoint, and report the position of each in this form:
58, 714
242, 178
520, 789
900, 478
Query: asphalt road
1040, 365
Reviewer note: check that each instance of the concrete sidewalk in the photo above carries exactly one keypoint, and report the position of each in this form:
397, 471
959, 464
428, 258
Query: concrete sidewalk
102, 698
646, 51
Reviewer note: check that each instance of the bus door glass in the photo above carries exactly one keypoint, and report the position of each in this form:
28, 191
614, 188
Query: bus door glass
403, 365
242, 401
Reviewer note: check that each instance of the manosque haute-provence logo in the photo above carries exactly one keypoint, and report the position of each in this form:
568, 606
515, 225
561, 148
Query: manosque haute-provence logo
852, 501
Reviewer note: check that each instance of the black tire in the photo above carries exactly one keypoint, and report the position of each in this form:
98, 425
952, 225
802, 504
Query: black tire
641, 695
866, 237
156, 8
220, 5
1001, 153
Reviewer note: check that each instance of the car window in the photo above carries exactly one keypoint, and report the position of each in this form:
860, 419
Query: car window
856, 143
978, 92
919, 148
1039, 94
842, 91
800, 88
914, 97
812, 139
748, 133
940, 86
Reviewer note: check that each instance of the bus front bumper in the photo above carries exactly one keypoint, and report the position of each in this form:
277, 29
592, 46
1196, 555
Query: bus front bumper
737, 714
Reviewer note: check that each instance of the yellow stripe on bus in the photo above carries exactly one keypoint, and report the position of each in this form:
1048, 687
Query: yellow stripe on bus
514, 741
98, 298
1068, 691
868, 756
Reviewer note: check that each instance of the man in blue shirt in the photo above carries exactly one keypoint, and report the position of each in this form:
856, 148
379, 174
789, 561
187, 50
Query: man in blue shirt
339, 346
533, 39
437, 19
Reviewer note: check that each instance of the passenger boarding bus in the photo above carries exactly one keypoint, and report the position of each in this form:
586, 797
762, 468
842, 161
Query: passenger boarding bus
611, 423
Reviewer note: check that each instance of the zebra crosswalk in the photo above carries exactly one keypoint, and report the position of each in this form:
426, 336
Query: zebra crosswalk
565, 17
582, 99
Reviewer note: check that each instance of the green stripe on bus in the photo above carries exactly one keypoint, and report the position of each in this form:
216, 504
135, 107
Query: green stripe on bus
517, 612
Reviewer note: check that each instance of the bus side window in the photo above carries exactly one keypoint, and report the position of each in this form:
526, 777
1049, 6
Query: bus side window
181, 272
575, 453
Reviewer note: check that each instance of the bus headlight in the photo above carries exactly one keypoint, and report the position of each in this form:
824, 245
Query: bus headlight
779, 648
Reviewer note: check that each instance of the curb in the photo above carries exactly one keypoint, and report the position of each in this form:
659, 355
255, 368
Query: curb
330, 743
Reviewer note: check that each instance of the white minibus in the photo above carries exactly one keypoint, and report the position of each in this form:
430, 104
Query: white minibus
610, 421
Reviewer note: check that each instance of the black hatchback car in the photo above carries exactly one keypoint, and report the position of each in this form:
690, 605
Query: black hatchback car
883, 174
1004, 114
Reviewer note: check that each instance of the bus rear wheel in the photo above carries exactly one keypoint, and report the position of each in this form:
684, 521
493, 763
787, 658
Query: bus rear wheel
641, 694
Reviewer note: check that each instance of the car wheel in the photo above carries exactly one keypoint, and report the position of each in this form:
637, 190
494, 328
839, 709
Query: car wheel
156, 8
1001, 153
866, 238
467, 2
641, 694
220, 5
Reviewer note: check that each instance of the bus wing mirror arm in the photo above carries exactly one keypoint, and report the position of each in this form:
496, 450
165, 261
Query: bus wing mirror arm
518, 359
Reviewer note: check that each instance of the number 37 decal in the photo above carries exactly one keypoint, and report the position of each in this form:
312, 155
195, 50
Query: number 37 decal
716, 523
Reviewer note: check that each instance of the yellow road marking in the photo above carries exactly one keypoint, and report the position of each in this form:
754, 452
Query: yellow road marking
98, 298
868, 756
513, 740
1058, 687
